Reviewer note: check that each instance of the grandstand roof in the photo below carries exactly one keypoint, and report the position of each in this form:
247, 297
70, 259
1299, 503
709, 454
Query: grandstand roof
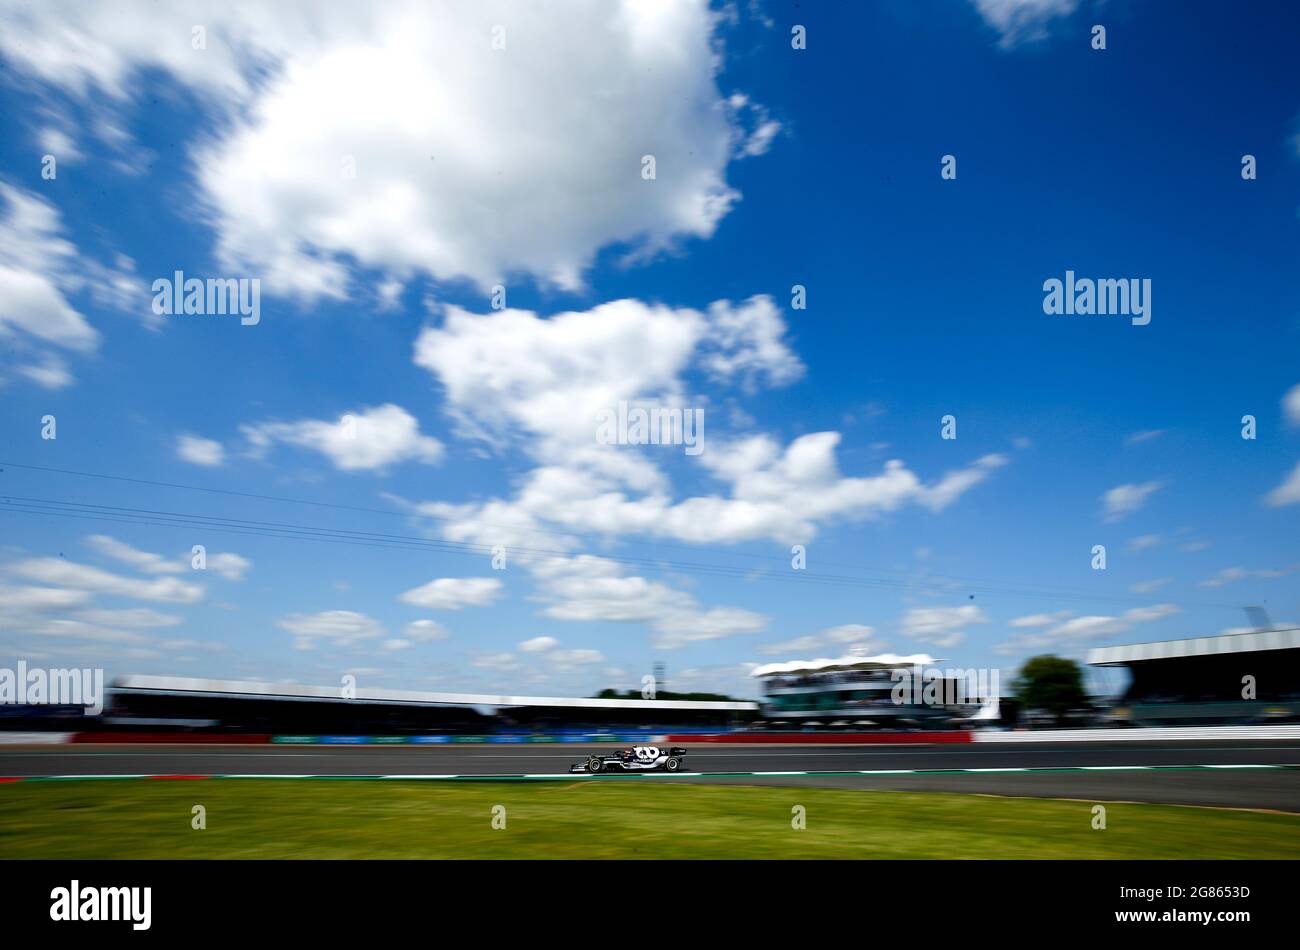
880, 661
186, 686
1253, 642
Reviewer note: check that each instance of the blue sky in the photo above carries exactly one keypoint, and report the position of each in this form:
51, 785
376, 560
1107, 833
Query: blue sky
381, 392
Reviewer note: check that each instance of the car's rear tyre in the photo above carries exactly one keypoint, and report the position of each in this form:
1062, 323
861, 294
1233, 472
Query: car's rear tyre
673, 764
595, 764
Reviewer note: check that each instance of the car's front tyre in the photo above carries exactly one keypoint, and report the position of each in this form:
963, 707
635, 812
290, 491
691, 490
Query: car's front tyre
594, 763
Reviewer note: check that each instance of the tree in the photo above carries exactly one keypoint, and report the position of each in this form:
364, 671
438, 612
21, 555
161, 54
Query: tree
1051, 683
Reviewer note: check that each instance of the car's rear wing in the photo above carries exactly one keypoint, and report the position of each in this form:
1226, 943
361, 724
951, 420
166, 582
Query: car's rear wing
676, 750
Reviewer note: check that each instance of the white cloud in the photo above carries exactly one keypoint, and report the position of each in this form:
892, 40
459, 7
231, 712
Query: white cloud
563, 660
1148, 587
1144, 541
1146, 435
548, 649
198, 451
62, 573
747, 342
497, 662
1040, 620
1230, 575
513, 371
547, 381
339, 628
1123, 500
230, 566
1060, 631
753, 128
1287, 493
454, 593
796, 645
957, 482
367, 439
37, 267
1291, 405
463, 153
855, 638
1021, 21
144, 561
592, 588
40, 599
941, 626
39, 271
539, 644
425, 631
54, 141
132, 617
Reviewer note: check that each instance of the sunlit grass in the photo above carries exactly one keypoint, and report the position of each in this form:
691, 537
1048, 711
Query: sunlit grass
257, 818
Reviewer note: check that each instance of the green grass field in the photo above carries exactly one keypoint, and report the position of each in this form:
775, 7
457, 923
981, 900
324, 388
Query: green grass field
249, 818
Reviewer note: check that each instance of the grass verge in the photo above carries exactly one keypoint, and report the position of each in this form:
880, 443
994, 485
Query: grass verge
256, 818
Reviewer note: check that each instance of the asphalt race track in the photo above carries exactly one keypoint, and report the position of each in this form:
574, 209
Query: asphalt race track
1157, 771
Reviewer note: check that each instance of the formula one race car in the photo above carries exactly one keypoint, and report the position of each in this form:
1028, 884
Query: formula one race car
639, 758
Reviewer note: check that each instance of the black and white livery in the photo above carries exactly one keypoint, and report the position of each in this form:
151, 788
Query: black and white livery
639, 758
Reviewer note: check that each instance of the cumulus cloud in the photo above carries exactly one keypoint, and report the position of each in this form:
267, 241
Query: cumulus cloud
199, 451
1062, 631
395, 136
24, 599
547, 381
1023, 21
852, 638
940, 626
1230, 575
1122, 500
1145, 435
1291, 405
1287, 493
144, 561
228, 564
61, 607
591, 588
339, 628
63, 573
539, 644
367, 439
499, 662
131, 617
548, 649
1040, 620
39, 271
425, 631
454, 593
1144, 541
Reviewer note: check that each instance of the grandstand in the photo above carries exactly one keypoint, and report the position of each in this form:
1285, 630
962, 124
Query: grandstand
1207, 680
859, 691
141, 702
